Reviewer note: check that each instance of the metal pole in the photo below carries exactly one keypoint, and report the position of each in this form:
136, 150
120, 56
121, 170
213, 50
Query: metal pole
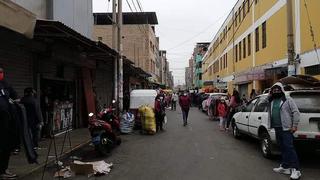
290, 40
119, 21
114, 45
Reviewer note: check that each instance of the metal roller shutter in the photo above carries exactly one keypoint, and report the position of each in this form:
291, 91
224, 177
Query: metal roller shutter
104, 84
18, 72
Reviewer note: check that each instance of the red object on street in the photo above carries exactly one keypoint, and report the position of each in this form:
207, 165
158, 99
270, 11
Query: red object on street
88, 91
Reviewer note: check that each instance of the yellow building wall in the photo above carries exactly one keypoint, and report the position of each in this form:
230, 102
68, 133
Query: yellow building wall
276, 48
262, 7
276, 39
314, 13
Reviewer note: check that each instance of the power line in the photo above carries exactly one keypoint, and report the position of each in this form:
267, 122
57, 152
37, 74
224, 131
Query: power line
311, 32
236, 30
204, 30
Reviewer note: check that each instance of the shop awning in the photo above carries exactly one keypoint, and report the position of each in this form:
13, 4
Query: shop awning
46, 29
16, 18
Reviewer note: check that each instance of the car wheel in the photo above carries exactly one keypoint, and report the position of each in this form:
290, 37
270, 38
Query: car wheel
265, 145
235, 131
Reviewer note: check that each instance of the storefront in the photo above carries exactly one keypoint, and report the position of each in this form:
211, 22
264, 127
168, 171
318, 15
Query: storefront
72, 76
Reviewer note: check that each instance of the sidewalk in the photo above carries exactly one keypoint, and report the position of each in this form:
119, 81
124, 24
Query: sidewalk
19, 165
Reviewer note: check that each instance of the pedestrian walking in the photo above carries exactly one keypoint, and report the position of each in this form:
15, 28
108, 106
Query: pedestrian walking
235, 101
159, 108
284, 117
175, 98
222, 113
184, 102
34, 115
8, 128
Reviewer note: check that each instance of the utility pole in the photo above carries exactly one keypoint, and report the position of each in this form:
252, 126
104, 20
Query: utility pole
290, 40
114, 46
119, 21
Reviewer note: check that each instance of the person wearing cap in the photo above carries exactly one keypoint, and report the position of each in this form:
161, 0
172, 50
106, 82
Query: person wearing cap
7, 126
284, 117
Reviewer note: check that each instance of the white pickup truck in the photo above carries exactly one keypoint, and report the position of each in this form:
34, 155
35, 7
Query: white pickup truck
252, 120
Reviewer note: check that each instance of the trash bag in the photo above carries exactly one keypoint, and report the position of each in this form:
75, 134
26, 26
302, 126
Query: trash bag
148, 120
127, 123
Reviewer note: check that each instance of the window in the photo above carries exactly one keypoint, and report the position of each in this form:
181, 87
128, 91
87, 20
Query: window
239, 15
236, 49
244, 8
249, 106
249, 44
236, 18
240, 57
226, 60
264, 35
244, 48
99, 38
257, 39
248, 3
255, 1
261, 105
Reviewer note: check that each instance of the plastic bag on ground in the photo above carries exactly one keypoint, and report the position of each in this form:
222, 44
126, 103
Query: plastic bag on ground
127, 123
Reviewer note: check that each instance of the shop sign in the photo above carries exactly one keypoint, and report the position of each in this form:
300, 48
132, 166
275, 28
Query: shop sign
62, 116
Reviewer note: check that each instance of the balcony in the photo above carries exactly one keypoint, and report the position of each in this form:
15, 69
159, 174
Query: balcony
199, 83
198, 59
198, 71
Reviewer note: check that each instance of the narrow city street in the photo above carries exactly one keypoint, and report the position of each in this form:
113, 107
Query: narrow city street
197, 151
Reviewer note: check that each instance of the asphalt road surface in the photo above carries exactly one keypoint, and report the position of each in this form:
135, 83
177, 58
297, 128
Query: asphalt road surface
198, 151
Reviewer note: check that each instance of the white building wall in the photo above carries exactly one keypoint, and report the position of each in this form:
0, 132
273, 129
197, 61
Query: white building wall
38, 7
76, 14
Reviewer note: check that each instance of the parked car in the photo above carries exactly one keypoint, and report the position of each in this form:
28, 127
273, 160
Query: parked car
253, 120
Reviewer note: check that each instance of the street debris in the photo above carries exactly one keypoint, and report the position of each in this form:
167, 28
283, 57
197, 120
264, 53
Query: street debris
91, 168
64, 173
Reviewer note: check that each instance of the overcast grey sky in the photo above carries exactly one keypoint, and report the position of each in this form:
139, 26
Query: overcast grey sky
182, 23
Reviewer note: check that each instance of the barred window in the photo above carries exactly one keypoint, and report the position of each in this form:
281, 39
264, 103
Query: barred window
244, 48
236, 50
264, 35
257, 39
249, 44
240, 49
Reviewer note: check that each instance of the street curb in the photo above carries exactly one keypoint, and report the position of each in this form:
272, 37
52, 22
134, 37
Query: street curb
64, 155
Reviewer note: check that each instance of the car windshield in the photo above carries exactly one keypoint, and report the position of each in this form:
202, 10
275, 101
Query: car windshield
307, 102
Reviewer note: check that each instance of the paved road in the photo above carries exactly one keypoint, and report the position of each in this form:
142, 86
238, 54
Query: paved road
198, 151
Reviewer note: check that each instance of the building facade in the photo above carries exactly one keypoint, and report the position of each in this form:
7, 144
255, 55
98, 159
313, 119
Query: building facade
76, 14
250, 49
198, 53
139, 42
163, 69
187, 77
69, 71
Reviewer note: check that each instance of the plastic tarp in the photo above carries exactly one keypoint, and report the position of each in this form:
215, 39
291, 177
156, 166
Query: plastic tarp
142, 97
